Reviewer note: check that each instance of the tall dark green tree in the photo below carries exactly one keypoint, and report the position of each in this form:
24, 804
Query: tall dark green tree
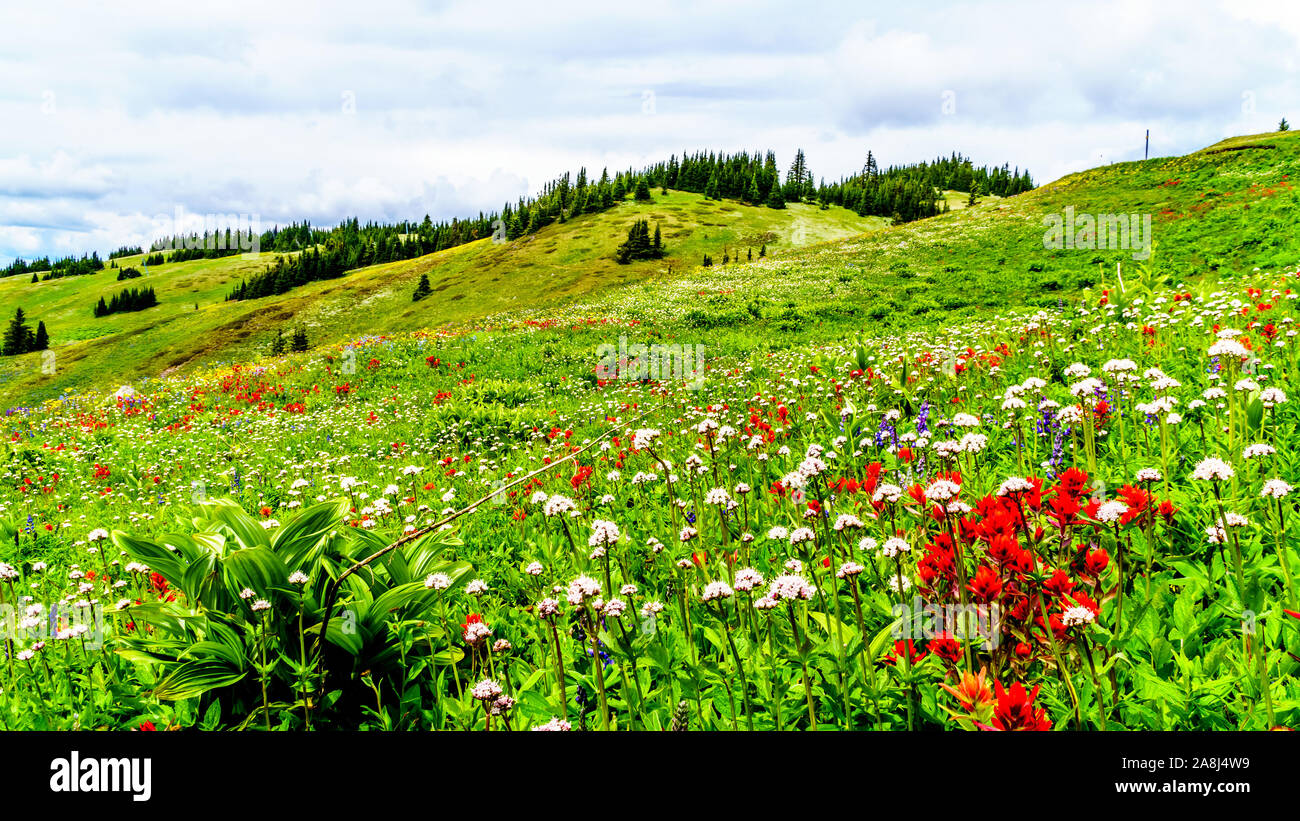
775, 199
299, 340
422, 289
798, 181
639, 245
18, 337
869, 168
711, 190
42, 340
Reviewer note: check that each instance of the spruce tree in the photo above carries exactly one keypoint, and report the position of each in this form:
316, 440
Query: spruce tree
422, 289
42, 340
799, 179
638, 244
278, 344
1284, 125
642, 193
17, 335
775, 199
299, 340
870, 169
711, 188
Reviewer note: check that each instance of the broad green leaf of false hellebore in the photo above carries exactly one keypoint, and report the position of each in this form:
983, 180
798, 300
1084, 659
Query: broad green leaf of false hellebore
302, 542
195, 677
227, 514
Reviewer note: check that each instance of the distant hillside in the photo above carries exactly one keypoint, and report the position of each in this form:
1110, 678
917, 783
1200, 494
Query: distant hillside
194, 322
1225, 209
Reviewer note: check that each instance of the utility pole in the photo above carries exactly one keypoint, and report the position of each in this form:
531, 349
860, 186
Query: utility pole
1146, 153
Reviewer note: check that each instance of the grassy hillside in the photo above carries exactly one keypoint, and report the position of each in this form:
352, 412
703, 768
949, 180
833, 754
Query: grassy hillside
1224, 210
193, 323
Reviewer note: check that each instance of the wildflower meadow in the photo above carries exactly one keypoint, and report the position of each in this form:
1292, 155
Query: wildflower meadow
1078, 516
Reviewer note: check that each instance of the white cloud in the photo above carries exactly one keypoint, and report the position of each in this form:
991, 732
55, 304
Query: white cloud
119, 112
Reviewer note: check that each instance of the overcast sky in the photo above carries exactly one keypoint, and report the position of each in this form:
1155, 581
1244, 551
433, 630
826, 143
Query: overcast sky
114, 115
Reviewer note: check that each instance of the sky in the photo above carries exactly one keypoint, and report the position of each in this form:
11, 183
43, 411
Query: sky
121, 121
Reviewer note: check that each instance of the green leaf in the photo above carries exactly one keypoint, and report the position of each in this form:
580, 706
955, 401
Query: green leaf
222, 652
246, 529
1254, 410
882, 638
255, 568
159, 559
195, 677
302, 542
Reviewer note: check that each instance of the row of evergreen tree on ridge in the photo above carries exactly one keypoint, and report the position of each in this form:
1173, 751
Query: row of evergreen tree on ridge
903, 193
130, 299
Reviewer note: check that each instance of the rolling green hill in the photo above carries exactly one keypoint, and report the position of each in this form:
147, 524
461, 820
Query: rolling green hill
194, 323
1226, 208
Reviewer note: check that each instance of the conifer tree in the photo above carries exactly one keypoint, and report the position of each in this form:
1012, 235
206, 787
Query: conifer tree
278, 344
42, 339
299, 340
17, 336
711, 189
639, 245
422, 289
775, 199
870, 169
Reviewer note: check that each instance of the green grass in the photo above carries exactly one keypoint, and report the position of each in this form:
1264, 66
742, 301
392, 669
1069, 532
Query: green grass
1217, 212
1224, 209
194, 324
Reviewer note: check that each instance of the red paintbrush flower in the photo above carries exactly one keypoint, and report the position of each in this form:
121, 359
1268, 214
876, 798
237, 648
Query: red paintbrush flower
1015, 709
986, 585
